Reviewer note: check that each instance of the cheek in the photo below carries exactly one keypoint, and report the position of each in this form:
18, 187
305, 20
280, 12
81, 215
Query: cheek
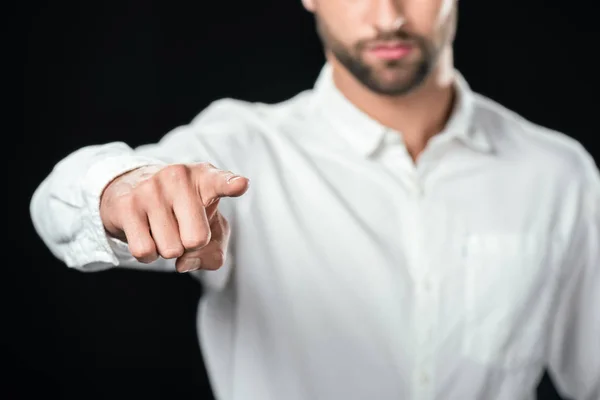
445, 12
347, 20
428, 16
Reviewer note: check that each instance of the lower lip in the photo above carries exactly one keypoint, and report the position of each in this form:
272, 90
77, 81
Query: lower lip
390, 53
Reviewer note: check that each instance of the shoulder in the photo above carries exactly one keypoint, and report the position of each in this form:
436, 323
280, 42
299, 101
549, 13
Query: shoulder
548, 151
254, 115
245, 134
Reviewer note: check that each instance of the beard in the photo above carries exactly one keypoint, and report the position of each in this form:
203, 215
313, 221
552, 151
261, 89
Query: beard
391, 77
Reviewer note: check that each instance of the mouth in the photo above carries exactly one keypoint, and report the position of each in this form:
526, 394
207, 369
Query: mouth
390, 50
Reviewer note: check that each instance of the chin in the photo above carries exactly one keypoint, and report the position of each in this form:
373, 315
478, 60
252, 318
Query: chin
393, 78
393, 85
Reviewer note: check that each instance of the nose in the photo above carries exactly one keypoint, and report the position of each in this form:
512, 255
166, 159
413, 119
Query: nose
386, 14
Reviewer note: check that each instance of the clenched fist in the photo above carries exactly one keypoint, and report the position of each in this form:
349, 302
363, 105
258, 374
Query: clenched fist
172, 212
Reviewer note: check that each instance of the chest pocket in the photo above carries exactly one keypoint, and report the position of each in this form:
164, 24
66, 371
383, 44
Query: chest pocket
507, 299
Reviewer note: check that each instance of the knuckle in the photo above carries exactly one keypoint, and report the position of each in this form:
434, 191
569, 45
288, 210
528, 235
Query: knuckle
195, 242
149, 188
172, 252
206, 166
203, 239
144, 253
150, 196
126, 203
177, 172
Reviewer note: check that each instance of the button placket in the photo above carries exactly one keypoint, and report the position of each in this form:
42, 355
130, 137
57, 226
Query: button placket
426, 299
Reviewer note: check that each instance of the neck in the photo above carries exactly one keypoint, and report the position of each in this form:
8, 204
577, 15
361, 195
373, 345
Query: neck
418, 115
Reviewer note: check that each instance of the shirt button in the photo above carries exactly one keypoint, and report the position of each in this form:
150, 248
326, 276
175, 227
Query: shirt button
424, 378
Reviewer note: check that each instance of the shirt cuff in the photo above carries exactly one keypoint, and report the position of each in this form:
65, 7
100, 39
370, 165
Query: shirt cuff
103, 247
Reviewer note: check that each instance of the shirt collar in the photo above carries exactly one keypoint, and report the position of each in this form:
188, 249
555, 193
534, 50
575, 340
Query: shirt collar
366, 134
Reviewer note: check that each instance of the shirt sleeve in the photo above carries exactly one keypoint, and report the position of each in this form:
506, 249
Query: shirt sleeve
65, 207
574, 357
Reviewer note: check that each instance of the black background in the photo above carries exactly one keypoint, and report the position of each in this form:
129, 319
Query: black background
131, 70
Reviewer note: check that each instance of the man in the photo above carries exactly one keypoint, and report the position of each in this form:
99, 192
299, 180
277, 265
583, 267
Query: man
403, 237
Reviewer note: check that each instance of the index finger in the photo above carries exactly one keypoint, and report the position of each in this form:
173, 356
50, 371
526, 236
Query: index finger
213, 183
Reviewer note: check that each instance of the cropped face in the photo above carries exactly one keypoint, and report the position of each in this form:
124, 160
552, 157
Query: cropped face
390, 46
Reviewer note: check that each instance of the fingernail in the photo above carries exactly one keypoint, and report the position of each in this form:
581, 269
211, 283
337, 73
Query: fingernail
233, 178
191, 264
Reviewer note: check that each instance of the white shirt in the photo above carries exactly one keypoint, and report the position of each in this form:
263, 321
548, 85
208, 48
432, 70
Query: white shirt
354, 273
